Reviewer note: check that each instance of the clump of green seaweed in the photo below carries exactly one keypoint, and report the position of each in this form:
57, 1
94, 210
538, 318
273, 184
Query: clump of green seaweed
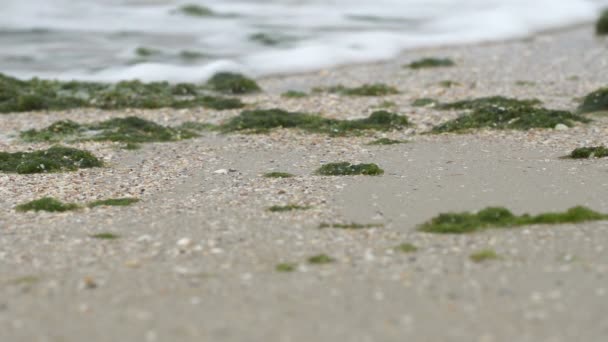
288, 207
504, 113
596, 101
406, 248
348, 169
499, 217
431, 63
54, 159
194, 10
277, 174
352, 225
425, 102
54, 205
105, 236
114, 202
376, 89
233, 83
601, 27
320, 259
285, 267
294, 94
47, 204
130, 130
386, 141
449, 84
589, 152
37, 94
484, 255
262, 120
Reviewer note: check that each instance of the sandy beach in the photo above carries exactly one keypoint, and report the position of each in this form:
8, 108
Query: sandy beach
196, 257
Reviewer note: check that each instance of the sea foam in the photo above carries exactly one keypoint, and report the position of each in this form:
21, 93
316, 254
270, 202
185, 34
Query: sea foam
98, 40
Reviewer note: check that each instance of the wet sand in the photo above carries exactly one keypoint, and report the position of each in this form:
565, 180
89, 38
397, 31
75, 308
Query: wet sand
196, 258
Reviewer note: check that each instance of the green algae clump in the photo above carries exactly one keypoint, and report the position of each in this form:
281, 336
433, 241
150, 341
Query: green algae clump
484, 255
289, 207
504, 113
294, 94
131, 130
406, 248
278, 175
425, 102
431, 63
491, 101
386, 141
47, 204
589, 152
195, 10
601, 27
233, 83
262, 120
376, 89
54, 159
37, 94
121, 202
59, 130
499, 217
320, 259
285, 267
352, 225
105, 236
348, 169
596, 101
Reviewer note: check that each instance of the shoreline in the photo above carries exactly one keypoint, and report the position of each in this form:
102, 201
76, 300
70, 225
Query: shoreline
196, 259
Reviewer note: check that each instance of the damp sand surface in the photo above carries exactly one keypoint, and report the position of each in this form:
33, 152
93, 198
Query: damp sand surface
195, 259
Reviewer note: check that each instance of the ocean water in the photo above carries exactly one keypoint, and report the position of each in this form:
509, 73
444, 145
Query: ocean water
112, 40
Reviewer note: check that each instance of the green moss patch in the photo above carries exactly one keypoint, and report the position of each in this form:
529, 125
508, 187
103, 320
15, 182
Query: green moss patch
278, 175
320, 259
386, 141
47, 204
596, 101
352, 225
262, 120
431, 63
504, 113
54, 159
601, 27
105, 236
589, 152
36, 94
498, 217
233, 83
406, 248
289, 207
121, 202
376, 89
484, 255
285, 267
130, 130
348, 169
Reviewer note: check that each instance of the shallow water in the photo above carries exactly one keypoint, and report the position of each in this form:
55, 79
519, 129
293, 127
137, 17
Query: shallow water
99, 39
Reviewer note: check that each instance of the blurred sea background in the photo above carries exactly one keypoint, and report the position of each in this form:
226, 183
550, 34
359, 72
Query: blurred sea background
110, 40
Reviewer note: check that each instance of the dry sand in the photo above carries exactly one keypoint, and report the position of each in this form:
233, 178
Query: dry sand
196, 257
